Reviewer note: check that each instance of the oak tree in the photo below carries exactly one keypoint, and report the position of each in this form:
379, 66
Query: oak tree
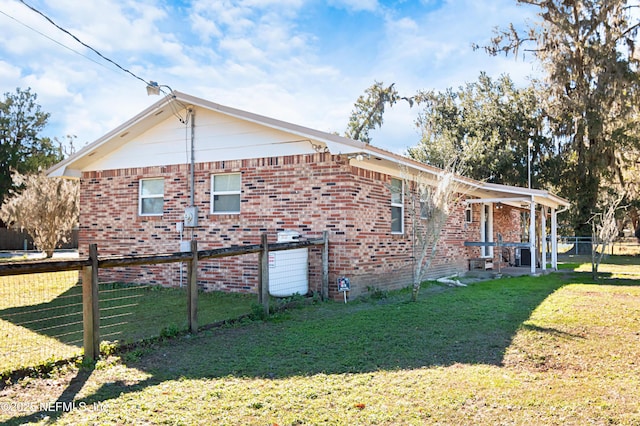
487, 125
21, 146
590, 92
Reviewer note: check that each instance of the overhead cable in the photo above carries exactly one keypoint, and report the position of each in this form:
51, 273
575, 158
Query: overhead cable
55, 41
82, 43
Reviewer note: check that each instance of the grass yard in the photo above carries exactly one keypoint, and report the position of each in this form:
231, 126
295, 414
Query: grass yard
558, 349
41, 315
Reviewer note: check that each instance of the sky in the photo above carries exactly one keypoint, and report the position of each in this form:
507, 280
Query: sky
301, 61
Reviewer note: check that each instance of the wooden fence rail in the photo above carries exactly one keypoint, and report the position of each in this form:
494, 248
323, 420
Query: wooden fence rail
90, 266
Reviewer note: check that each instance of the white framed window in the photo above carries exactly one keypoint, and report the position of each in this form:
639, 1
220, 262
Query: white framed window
151, 197
225, 193
397, 206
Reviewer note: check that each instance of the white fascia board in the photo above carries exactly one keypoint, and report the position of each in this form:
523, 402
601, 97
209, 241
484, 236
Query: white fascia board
503, 200
540, 196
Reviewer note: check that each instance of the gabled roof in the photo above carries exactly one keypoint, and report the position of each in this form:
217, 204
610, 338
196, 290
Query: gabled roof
371, 157
176, 103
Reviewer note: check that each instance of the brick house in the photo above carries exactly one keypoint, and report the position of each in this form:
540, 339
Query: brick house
237, 175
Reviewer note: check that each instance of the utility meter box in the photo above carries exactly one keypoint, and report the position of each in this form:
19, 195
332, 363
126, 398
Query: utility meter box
191, 217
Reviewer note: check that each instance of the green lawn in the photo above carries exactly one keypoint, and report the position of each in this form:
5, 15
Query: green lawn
558, 349
41, 315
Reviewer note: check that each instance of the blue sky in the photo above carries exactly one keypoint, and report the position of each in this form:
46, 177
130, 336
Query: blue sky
302, 61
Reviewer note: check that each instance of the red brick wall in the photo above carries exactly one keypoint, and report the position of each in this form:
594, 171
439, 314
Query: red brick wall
306, 193
506, 221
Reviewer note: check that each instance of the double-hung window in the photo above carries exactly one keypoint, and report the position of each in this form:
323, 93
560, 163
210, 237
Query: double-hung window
151, 197
397, 206
225, 193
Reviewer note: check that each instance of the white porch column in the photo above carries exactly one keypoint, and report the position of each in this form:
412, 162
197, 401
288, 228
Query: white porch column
532, 235
543, 243
554, 239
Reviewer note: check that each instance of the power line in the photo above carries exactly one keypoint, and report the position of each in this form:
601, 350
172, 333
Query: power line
83, 43
55, 41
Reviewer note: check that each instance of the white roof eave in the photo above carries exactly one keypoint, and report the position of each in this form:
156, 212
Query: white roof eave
539, 196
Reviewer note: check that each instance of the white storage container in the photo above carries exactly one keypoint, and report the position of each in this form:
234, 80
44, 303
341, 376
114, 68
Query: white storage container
288, 269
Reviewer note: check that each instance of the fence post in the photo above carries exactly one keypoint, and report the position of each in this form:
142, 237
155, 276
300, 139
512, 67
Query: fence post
325, 266
192, 289
263, 281
90, 308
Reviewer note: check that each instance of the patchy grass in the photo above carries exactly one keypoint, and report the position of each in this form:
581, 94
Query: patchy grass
555, 349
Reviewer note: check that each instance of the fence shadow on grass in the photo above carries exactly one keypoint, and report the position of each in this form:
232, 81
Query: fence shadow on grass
59, 318
53, 329
37, 333
129, 313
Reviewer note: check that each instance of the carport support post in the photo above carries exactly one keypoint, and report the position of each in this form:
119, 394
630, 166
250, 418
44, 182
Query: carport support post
192, 289
543, 242
90, 309
532, 235
263, 281
554, 239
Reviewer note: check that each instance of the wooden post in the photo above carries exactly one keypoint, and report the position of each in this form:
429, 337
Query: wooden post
90, 308
260, 261
325, 266
264, 274
192, 289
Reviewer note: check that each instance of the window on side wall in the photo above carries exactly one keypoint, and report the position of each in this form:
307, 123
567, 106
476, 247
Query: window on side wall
468, 215
397, 206
151, 197
225, 193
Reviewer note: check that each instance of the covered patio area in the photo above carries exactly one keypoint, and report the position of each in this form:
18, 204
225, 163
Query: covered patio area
504, 248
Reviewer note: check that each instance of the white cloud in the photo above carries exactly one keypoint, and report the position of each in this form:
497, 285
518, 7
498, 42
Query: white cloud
9, 73
356, 5
273, 57
111, 25
205, 28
